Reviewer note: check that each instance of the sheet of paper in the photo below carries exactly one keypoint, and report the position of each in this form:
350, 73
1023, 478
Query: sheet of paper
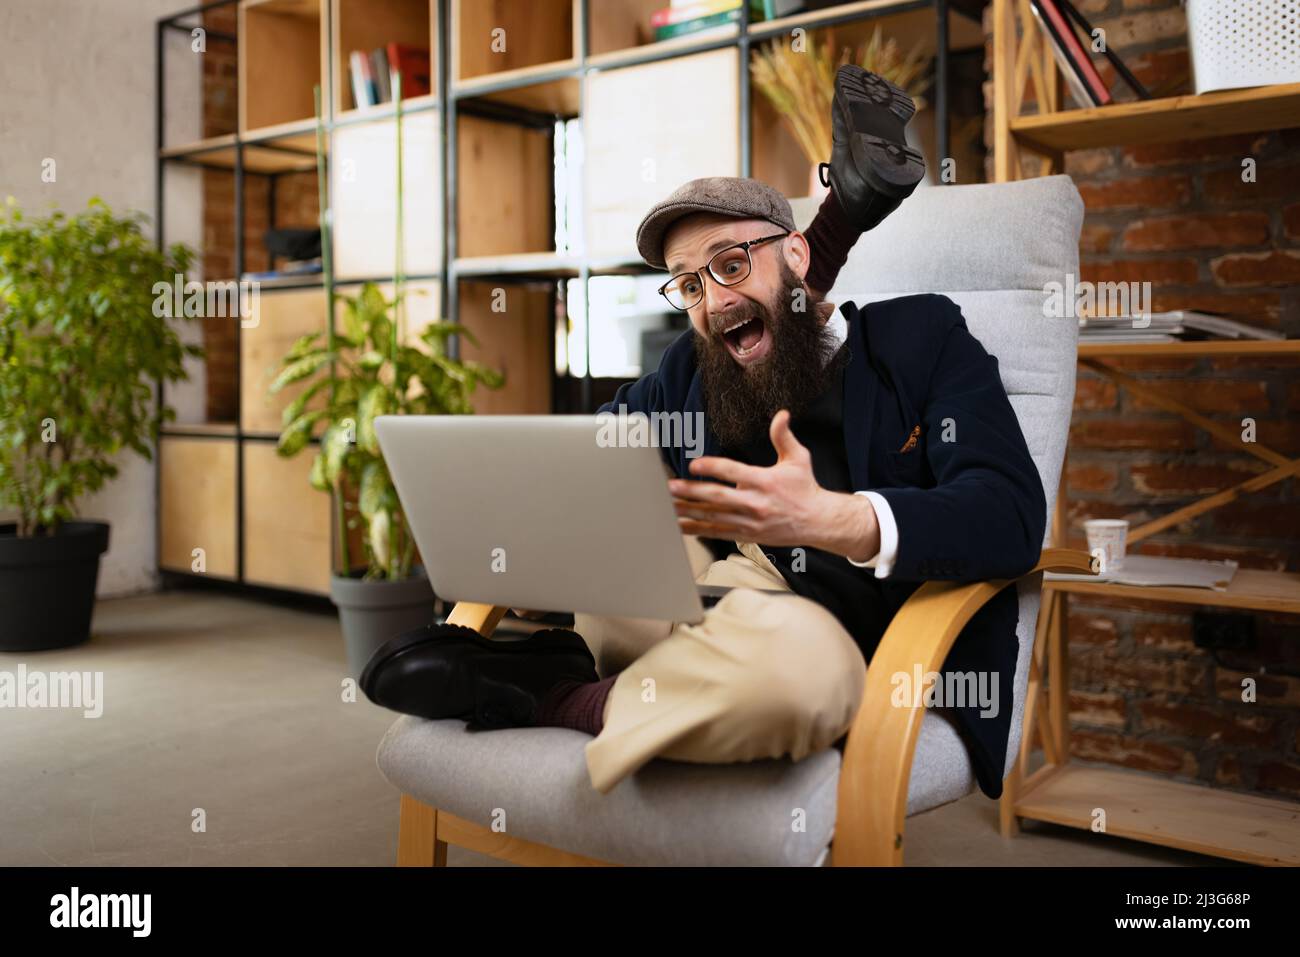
1153, 570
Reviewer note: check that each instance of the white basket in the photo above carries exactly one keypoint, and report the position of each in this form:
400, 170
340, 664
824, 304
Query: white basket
1240, 43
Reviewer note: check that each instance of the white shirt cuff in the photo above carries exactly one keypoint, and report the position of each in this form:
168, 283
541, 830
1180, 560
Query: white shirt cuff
883, 560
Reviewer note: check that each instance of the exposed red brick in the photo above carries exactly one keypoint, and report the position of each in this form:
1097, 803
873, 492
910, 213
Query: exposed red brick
1291, 221
1228, 772
1207, 724
1132, 433
1196, 231
1165, 636
1092, 478
1194, 151
1168, 478
1253, 518
1138, 192
1132, 753
1278, 690
1090, 628
1094, 394
1098, 709
1257, 308
1109, 669
1280, 267
1274, 181
1154, 271
1096, 239
1210, 395
1255, 557
1279, 776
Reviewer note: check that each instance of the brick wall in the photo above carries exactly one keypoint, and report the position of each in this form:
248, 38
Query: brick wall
296, 204
1178, 215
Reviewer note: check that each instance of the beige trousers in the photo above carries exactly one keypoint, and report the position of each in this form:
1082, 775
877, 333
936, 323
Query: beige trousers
762, 676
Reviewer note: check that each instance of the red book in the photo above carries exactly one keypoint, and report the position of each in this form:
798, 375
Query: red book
1076, 51
413, 64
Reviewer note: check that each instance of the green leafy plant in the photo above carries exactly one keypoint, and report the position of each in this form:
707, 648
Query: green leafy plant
367, 369
81, 350
369, 372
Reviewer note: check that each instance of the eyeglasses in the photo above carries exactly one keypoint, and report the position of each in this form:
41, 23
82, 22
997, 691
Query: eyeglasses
728, 267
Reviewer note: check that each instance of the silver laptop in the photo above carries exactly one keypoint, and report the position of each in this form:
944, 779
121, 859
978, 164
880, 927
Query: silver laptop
533, 512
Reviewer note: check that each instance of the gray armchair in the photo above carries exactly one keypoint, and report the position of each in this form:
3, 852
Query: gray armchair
524, 794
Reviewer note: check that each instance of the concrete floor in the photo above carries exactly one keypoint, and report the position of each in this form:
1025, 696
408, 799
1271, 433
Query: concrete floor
234, 706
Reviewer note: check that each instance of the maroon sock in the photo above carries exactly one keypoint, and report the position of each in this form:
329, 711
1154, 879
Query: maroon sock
830, 237
575, 704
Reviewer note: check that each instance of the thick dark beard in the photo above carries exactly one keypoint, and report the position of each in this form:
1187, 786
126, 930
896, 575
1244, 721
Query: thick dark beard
740, 401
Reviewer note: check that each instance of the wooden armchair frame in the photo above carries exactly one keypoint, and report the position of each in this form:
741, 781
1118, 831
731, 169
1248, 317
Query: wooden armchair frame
877, 764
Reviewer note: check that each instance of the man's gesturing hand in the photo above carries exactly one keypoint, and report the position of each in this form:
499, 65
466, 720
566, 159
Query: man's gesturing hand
780, 505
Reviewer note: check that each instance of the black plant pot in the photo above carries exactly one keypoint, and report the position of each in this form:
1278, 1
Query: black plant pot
371, 612
47, 585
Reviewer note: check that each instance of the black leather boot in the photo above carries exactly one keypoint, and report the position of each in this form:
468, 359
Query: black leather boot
450, 671
872, 169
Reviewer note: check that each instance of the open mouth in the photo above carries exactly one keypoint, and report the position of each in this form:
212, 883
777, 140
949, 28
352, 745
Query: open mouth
747, 340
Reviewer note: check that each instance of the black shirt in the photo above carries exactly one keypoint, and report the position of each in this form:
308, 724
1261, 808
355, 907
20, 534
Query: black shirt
852, 594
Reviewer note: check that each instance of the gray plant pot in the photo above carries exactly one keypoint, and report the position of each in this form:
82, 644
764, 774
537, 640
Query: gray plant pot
371, 612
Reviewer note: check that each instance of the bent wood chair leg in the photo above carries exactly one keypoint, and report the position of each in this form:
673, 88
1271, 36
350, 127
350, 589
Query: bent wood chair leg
417, 836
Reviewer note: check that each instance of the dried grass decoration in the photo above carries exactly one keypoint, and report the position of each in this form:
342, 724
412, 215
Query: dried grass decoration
800, 84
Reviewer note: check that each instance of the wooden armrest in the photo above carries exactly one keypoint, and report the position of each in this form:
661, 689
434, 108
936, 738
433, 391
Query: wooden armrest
482, 618
877, 766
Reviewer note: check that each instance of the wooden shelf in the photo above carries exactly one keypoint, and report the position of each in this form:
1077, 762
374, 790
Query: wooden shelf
533, 88
554, 265
282, 56
366, 25
536, 34
690, 43
385, 111
1250, 588
1190, 817
199, 428
1207, 347
1164, 120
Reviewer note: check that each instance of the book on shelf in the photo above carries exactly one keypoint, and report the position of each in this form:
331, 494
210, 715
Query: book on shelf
684, 27
1059, 21
1178, 325
687, 12
372, 73
1076, 66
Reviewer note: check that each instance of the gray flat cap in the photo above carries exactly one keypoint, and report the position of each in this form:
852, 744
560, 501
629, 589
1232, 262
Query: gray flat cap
741, 197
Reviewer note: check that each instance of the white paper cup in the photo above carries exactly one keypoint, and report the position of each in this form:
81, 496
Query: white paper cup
1107, 537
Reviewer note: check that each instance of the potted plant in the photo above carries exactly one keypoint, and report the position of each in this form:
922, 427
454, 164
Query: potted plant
369, 371
81, 348
367, 368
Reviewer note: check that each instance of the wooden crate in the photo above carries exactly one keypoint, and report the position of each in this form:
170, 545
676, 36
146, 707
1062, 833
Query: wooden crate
196, 504
368, 24
286, 521
636, 157
504, 189
282, 57
363, 174
536, 32
518, 341
277, 321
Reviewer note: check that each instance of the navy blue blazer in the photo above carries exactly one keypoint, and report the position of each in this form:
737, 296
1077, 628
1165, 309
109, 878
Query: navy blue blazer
967, 498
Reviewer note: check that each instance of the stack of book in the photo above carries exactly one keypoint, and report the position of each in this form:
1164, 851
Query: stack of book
1180, 325
1070, 37
689, 16
372, 73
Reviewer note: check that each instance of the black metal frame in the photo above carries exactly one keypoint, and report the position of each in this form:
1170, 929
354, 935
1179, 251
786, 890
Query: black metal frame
450, 104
